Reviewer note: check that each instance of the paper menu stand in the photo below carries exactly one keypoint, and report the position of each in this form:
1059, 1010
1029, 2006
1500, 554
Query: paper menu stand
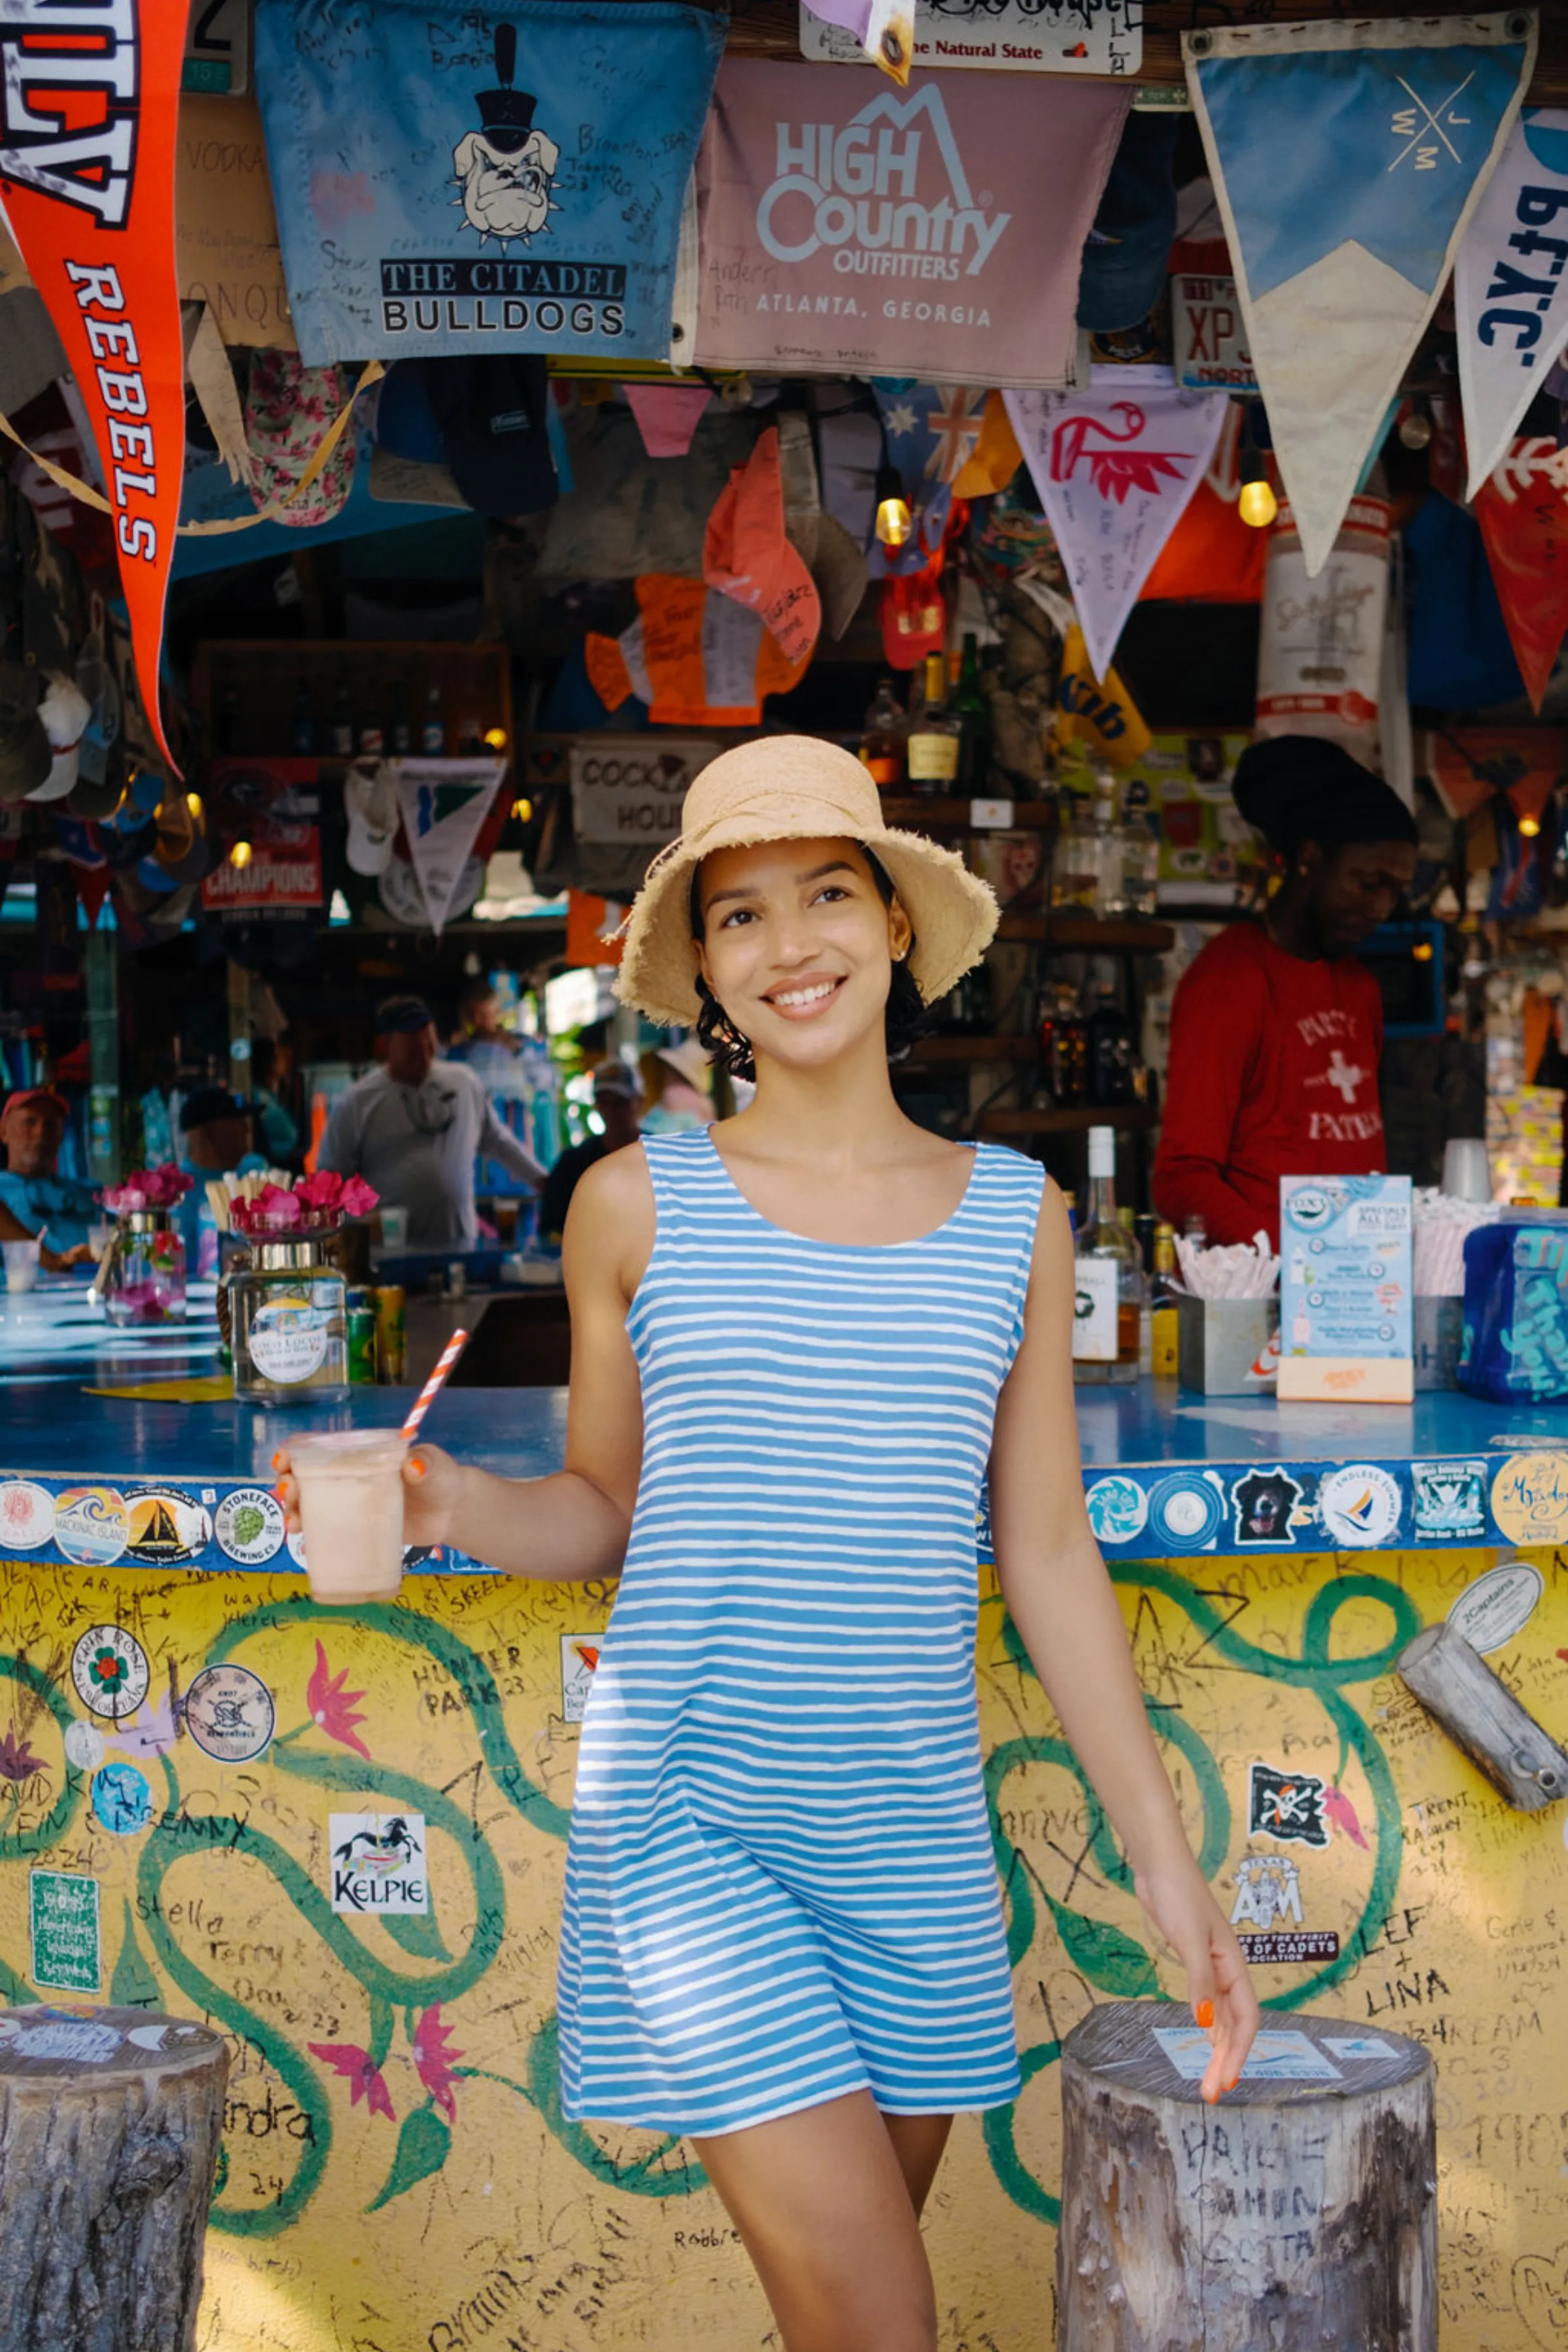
1345, 1290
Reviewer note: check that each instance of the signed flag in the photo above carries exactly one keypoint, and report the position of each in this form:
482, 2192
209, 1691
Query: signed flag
1510, 288
1348, 159
90, 93
1114, 474
1522, 510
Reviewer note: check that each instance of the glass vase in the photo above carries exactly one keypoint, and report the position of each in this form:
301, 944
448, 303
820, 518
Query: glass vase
289, 1323
145, 1278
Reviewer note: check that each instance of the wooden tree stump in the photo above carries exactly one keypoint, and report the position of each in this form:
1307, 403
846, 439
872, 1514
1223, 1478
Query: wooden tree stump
110, 2124
1299, 2215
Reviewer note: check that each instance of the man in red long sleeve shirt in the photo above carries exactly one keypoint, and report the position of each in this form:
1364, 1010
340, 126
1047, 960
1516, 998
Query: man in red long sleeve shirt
1276, 1029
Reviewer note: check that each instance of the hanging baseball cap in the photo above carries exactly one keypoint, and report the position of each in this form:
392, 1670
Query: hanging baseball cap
493, 413
288, 410
25, 755
64, 713
1128, 246
406, 423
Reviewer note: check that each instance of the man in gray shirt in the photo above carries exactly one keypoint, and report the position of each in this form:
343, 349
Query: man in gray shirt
413, 1127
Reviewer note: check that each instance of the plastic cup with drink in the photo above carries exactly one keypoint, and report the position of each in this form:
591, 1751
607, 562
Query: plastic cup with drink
349, 1483
21, 1263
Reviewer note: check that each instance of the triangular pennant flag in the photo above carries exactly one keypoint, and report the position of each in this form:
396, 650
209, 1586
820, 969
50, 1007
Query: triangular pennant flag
668, 414
1510, 289
995, 457
1098, 709
1524, 517
746, 555
1114, 475
443, 803
1347, 160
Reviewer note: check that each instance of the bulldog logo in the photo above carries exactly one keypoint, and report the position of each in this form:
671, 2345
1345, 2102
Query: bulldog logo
505, 168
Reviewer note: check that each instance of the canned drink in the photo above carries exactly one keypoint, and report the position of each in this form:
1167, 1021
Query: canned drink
392, 1333
362, 1334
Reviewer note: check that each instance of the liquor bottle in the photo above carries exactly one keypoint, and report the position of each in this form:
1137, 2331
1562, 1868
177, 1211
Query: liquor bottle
1073, 873
433, 732
1110, 1285
882, 743
972, 709
1140, 850
934, 741
401, 736
1105, 853
1111, 1057
372, 738
343, 725
1070, 1059
1164, 1291
302, 724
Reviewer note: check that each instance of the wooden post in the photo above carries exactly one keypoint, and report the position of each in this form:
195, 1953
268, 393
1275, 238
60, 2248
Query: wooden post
1299, 2215
110, 2124
1501, 1738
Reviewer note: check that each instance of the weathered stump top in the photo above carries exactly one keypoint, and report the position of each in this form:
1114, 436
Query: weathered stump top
1298, 2056
52, 2044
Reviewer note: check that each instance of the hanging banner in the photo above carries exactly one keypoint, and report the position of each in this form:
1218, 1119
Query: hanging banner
1114, 476
1319, 646
630, 789
443, 803
696, 658
1522, 510
746, 554
1097, 712
442, 175
89, 99
990, 36
1510, 292
1213, 557
275, 805
1347, 160
935, 232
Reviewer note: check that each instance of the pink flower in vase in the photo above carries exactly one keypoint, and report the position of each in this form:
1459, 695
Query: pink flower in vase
358, 1198
322, 1192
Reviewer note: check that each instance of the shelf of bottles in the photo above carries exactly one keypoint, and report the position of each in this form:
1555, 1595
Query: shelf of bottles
336, 700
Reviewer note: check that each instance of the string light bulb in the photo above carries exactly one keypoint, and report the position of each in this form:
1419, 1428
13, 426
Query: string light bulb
1529, 826
1256, 504
1422, 952
193, 802
240, 854
496, 737
894, 520
523, 810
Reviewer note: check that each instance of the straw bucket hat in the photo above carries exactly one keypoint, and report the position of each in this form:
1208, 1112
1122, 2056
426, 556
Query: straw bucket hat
795, 788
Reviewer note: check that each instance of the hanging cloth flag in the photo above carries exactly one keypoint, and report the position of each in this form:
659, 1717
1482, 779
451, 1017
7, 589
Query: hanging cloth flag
668, 414
746, 554
884, 28
1096, 708
935, 232
419, 209
1511, 288
697, 658
90, 98
1347, 160
443, 803
1114, 475
1522, 510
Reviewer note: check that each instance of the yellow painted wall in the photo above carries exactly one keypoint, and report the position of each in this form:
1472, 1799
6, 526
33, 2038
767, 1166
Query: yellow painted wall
472, 2216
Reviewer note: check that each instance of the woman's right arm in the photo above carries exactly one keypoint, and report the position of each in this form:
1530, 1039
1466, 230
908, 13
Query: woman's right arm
570, 1527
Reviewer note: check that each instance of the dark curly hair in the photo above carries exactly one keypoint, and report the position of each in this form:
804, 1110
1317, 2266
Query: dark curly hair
907, 1015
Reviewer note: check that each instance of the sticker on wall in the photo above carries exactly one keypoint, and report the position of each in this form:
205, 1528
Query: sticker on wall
1497, 1605
91, 1525
378, 1861
1264, 1502
1118, 1509
1449, 1499
229, 1714
122, 1799
166, 1527
1360, 1504
110, 1669
579, 1664
250, 1526
1186, 1510
1530, 1499
84, 1746
27, 1516
1268, 1888
1286, 1805
62, 1908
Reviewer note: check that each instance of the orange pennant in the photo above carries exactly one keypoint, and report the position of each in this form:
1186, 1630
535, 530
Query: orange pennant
90, 94
746, 555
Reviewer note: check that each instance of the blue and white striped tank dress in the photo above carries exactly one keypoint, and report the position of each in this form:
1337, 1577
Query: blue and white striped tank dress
779, 1884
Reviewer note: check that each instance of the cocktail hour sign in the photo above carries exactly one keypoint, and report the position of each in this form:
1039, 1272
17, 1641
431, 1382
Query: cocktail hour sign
451, 180
933, 232
89, 100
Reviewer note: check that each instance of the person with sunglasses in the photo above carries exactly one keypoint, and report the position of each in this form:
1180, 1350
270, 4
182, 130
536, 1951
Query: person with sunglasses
1277, 1028
413, 1127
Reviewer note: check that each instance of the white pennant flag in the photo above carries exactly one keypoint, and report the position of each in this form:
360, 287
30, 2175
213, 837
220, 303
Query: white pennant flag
1510, 287
443, 803
1114, 473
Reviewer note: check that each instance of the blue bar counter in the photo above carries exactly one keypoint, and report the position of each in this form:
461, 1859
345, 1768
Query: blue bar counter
1167, 1472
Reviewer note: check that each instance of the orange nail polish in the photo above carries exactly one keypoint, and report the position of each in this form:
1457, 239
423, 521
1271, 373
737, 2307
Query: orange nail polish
417, 1468
1233, 2082
1205, 2013
278, 1459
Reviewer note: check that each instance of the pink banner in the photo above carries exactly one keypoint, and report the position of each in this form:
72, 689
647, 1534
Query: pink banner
935, 232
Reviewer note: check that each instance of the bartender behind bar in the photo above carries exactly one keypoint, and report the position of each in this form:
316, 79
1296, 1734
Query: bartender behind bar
1276, 1028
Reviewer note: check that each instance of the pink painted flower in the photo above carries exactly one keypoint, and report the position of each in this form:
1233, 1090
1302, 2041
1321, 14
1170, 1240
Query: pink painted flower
435, 2055
332, 1707
1344, 1815
365, 2078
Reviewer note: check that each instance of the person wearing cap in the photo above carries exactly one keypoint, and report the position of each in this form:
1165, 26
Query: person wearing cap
678, 1085
617, 1099
413, 1127
1276, 1028
800, 1339
215, 1140
35, 1197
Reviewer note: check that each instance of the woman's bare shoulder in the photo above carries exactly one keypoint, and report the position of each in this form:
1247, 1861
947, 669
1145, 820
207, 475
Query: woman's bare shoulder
611, 1221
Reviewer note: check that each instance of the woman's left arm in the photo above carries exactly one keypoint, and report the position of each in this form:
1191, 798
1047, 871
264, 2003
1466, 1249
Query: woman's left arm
1061, 1600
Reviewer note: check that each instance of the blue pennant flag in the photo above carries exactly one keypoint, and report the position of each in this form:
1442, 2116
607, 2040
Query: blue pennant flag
451, 180
1347, 159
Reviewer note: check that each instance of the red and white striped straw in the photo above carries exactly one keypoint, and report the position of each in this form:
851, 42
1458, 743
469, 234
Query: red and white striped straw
425, 1398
